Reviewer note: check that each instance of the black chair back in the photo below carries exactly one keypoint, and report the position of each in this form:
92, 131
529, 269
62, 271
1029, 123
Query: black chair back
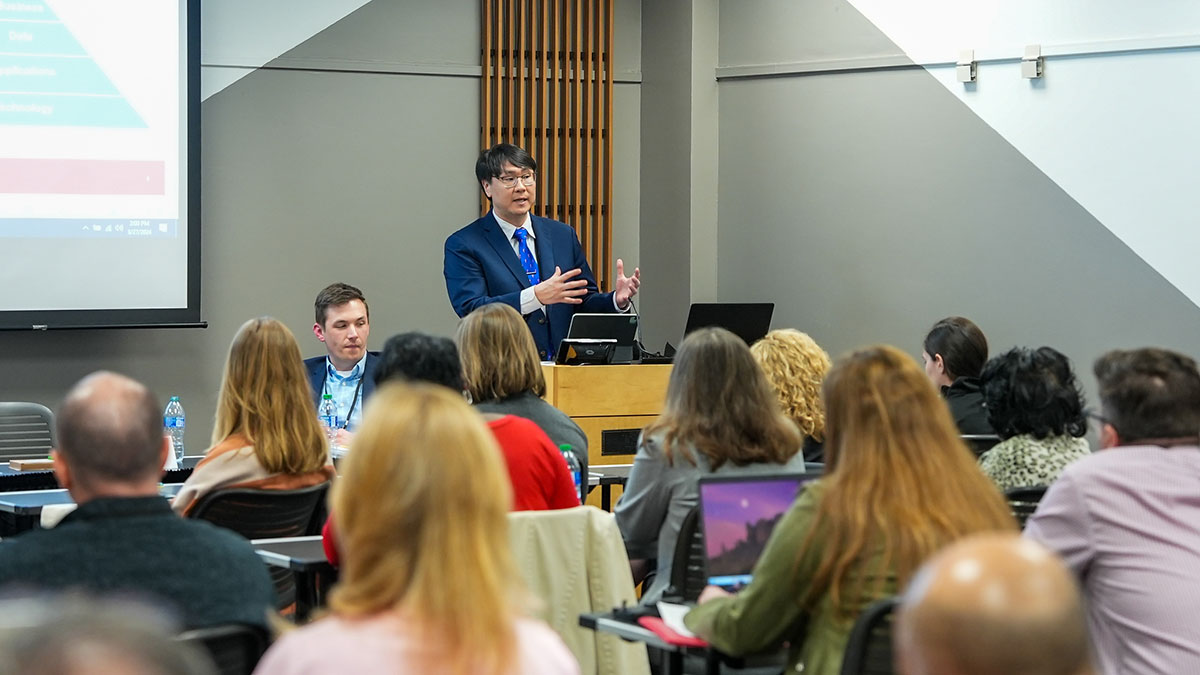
687, 566
869, 648
1024, 501
980, 443
26, 430
267, 514
235, 648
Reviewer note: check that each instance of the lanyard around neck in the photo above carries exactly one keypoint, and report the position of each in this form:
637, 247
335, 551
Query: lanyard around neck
357, 389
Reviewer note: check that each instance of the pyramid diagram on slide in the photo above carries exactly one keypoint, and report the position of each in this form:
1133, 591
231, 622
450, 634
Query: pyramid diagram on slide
48, 79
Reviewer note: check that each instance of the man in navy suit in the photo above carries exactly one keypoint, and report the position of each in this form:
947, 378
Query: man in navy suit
534, 264
347, 370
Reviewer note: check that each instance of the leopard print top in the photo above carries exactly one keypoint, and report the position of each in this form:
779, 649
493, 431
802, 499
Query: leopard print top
1025, 461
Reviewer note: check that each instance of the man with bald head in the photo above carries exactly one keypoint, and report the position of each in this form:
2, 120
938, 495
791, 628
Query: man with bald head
992, 604
124, 539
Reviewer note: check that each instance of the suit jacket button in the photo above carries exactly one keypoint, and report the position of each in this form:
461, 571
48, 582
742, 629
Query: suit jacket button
542, 320
542, 354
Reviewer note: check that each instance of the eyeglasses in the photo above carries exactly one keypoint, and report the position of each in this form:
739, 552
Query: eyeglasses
510, 182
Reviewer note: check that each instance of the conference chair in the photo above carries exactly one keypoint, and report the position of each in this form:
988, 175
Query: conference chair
980, 443
869, 647
268, 514
1024, 501
574, 560
26, 430
687, 565
235, 648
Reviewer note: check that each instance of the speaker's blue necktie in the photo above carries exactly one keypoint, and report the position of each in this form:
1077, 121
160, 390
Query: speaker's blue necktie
527, 259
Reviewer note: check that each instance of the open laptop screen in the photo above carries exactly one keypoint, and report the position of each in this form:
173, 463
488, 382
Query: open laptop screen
738, 515
747, 320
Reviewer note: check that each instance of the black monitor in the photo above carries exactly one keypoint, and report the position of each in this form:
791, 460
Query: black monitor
747, 320
620, 327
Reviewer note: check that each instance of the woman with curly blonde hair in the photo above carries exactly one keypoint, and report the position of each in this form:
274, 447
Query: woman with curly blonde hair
795, 365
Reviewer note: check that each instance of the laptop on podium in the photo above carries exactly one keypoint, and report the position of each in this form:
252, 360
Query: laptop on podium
747, 320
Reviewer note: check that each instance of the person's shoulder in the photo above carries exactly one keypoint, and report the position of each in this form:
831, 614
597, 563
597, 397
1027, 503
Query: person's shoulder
313, 363
472, 229
219, 540
552, 227
542, 650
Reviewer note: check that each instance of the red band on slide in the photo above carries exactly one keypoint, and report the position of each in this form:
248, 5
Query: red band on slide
81, 177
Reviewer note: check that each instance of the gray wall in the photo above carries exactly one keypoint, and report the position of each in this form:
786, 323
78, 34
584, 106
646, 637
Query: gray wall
312, 173
868, 204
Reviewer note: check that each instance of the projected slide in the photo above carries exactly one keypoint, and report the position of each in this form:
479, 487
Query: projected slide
93, 151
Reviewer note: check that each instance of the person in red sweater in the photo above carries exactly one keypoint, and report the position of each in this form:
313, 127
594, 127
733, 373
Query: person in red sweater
538, 473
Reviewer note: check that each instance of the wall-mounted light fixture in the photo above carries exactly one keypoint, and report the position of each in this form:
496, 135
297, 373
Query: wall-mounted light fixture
1033, 64
967, 69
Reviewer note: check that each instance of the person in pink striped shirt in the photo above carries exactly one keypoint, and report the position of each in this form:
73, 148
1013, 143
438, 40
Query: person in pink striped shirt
1127, 519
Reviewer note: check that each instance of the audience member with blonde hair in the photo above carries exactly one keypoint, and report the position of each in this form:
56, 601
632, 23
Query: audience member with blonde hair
899, 484
266, 435
795, 366
427, 583
720, 417
503, 375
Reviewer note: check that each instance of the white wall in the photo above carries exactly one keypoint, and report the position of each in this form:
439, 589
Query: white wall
1116, 129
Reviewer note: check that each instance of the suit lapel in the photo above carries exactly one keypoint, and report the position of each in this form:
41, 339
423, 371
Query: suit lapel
545, 247
495, 237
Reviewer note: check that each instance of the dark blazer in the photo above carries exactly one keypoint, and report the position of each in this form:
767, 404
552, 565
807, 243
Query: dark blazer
481, 267
316, 376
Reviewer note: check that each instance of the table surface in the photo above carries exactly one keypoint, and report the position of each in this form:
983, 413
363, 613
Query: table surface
30, 502
604, 622
296, 553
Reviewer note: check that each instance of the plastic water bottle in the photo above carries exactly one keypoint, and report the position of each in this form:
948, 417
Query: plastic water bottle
329, 417
174, 424
574, 467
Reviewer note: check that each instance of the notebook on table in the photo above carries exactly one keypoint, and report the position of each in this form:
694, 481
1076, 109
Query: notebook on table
738, 514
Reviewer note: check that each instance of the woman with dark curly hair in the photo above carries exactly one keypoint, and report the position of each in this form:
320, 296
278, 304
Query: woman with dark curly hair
1035, 404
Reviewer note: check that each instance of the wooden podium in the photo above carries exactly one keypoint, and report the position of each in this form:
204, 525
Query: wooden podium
610, 403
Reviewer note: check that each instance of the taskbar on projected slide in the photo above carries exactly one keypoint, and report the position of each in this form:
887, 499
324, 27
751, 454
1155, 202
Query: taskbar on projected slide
88, 228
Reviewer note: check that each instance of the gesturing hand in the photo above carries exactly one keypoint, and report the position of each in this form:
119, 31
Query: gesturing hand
627, 287
562, 287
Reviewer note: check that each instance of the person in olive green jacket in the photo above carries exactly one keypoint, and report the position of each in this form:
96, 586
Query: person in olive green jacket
899, 484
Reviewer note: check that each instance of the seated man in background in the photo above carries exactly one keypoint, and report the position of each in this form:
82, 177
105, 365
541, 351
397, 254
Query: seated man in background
346, 371
1127, 519
992, 605
124, 539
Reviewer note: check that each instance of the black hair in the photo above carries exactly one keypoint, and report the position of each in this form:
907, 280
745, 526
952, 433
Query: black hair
961, 344
1029, 391
491, 161
1149, 393
420, 357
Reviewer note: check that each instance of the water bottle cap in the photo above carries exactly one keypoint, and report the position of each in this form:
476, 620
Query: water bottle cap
174, 398
565, 447
327, 397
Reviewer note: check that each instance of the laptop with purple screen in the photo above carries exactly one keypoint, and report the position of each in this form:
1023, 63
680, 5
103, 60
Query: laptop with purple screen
738, 514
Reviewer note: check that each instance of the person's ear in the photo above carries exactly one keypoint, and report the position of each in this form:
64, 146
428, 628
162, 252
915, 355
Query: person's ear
1109, 438
62, 472
165, 451
319, 332
939, 364
487, 188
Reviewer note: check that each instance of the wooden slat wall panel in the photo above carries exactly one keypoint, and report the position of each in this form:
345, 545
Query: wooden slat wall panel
547, 86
